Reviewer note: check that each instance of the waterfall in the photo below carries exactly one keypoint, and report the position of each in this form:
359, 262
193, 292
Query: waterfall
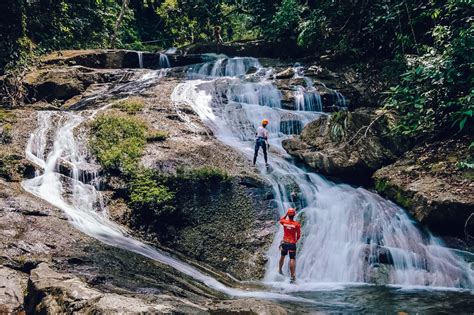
262, 93
350, 235
171, 50
308, 100
340, 99
223, 66
164, 61
140, 59
82, 202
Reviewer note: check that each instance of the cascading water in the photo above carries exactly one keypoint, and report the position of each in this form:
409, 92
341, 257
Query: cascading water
80, 199
348, 233
308, 100
164, 61
340, 99
220, 66
140, 59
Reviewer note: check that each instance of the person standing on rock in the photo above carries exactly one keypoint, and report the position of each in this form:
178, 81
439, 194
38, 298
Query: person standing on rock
261, 141
291, 235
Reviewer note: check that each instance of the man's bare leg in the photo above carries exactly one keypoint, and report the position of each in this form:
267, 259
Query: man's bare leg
292, 267
280, 265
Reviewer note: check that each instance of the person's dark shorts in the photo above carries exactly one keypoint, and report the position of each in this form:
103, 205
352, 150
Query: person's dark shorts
288, 247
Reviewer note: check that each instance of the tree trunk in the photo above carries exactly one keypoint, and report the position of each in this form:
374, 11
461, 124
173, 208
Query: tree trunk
118, 22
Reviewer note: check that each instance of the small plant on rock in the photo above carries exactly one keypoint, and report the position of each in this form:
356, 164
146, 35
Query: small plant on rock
158, 135
130, 105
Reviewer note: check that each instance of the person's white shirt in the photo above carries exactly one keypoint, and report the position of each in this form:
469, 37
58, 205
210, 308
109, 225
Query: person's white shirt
262, 132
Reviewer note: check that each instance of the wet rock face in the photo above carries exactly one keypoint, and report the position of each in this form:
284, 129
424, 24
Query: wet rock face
228, 227
429, 183
346, 144
246, 306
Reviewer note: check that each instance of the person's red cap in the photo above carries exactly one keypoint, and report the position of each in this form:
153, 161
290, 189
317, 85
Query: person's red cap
291, 211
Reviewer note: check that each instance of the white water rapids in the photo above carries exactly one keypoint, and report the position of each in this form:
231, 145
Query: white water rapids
344, 228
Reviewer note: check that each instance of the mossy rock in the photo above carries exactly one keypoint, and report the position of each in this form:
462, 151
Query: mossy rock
7, 116
402, 198
14, 168
6, 133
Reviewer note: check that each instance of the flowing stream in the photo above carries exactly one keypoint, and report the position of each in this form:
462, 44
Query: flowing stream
350, 235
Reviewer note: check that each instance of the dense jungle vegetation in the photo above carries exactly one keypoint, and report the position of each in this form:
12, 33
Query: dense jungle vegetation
429, 41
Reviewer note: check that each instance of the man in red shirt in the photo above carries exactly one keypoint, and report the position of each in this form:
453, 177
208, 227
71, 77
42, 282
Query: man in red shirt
292, 233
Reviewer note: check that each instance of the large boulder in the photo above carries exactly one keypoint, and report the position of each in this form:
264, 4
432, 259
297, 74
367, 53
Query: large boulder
50, 292
432, 185
12, 286
118, 58
62, 83
284, 48
350, 145
104, 59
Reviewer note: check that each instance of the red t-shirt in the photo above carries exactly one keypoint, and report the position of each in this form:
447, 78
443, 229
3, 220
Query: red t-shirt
291, 230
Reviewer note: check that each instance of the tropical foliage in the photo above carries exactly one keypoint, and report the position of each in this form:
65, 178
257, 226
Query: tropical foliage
433, 39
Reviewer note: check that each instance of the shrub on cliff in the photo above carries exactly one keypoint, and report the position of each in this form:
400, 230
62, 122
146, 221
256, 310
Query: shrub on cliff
205, 175
118, 142
149, 196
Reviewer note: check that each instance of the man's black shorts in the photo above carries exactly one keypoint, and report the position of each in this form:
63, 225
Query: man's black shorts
288, 247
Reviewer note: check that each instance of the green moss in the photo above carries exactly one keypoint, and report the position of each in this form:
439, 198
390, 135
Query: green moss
11, 167
118, 142
381, 185
204, 175
452, 159
6, 133
7, 116
130, 105
148, 194
437, 167
402, 200
157, 136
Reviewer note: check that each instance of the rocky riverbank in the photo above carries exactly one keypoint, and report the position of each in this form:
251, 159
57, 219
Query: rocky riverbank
431, 182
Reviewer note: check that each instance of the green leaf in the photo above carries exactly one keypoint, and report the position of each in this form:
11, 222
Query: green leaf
462, 123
